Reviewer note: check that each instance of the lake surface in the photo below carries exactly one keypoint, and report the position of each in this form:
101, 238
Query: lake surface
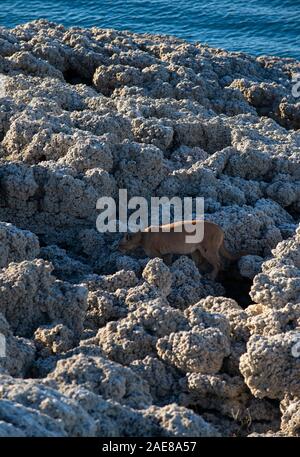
254, 26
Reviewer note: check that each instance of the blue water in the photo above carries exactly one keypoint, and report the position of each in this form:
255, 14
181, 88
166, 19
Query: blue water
254, 26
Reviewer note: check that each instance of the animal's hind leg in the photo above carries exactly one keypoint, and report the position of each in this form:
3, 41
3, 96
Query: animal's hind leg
167, 258
214, 259
197, 258
155, 253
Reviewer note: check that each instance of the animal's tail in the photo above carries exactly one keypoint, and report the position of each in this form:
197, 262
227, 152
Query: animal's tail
229, 256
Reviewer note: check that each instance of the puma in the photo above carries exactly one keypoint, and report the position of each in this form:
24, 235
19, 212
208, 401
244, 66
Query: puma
165, 243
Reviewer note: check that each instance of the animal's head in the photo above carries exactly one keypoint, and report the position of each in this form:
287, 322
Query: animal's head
130, 241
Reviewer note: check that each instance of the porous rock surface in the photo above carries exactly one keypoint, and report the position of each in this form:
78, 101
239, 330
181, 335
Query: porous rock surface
97, 343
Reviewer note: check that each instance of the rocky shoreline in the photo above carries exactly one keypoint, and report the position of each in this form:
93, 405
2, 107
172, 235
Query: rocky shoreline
103, 344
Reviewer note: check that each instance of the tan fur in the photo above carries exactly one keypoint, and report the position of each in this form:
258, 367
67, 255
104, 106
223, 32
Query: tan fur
162, 243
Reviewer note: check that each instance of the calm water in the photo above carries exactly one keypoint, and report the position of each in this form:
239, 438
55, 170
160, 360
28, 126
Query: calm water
254, 26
